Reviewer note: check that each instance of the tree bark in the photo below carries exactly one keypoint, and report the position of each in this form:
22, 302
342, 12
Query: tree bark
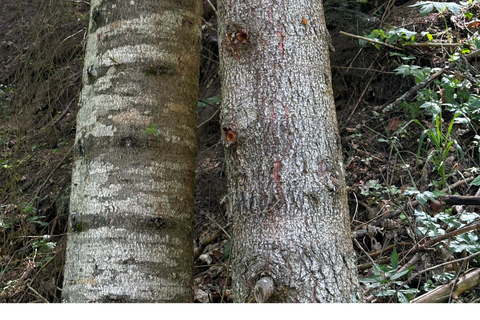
130, 237
287, 194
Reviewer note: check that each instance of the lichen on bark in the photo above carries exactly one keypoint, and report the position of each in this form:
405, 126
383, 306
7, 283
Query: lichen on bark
125, 182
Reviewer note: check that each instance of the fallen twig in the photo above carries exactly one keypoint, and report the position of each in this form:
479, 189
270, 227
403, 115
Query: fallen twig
433, 44
459, 200
206, 241
370, 40
473, 55
213, 7
442, 293
431, 242
422, 247
413, 91
443, 264
37, 294
471, 227
64, 112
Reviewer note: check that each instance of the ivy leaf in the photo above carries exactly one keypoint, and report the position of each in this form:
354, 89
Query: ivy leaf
404, 70
427, 6
423, 197
409, 35
476, 181
411, 191
402, 298
467, 241
454, 7
432, 107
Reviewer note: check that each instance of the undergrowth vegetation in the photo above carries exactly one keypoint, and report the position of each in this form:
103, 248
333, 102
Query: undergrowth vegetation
42, 59
431, 215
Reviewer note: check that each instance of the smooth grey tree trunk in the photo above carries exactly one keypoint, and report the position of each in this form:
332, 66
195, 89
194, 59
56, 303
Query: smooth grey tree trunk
287, 194
130, 237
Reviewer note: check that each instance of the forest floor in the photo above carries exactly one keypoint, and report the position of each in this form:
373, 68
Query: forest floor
402, 161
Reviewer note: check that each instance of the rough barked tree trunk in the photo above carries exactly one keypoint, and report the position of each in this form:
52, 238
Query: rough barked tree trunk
287, 192
131, 207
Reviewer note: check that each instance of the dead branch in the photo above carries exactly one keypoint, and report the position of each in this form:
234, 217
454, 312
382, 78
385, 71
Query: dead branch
433, 44
473, 55
206, 241
413, 91
423, 247
37, 294
468, 228
370, 40
450, 262
431, 242
64, 112
461, 200
390, 247
442, 293
213, 7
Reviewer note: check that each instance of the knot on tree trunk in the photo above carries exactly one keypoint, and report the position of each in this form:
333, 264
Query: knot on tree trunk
263, 289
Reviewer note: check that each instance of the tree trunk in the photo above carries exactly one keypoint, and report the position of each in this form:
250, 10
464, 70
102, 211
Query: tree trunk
287, 194
131, 208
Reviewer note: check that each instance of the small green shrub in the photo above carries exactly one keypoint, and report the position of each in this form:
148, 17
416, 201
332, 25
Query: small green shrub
386, 281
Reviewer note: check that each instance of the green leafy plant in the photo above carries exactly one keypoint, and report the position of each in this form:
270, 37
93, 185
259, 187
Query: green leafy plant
466, 241
375, 189
44, 245
427, 6
4, 224
418, 72
433, 226
429, 226
152, 130
403, 56
209, 102
38, 220
476, 181
386, 280
394, 35
458, 98
442, 143
421, 197
28, 208
401, 35
452, 94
